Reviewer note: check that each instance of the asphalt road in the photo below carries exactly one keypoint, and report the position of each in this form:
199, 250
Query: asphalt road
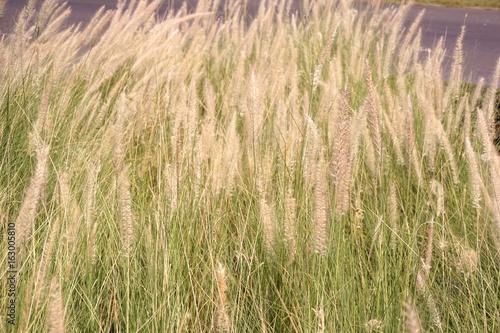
481, 43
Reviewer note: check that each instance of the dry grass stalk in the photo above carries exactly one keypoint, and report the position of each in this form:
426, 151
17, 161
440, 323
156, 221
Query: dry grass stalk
171, 177
358, 129
280, 128
428, 253
341, 157
46, 9
431, 302
436, 60
218, 172
264, 176
394, 213
253, 120
267, 212
474, 175
374, 325
489, 100
323, 57
456, 118
430, 138
484, 134
262, 317
254, 115
291, 224
410, 136
490, 204
404, 46
393, 203
185, 323
320, 230
56, 309
412, 321
473, 103
467, 122
70, 211
423, 277
96, 26
494, 166
89, 193
2, 7
223, 321
395, 138
292, 149
446, 145
392, 110
208, 133
456, 73
409, 58
321, 319
394, 37
373, 117
412, 159
378, 235
467, 261
46, 259
43, 120
371, 160
311, 150
27, 213
437, 189
24, 18
232, 153
359, 213
125, 204
54, 25
119, 129
122, 177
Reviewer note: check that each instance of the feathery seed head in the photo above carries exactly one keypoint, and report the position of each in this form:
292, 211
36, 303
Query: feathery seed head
374, 325
269, 225
223, 321
26, 218
412, 321
56, 309
320, 231
468, 260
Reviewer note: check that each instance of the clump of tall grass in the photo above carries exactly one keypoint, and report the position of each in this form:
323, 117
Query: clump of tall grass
311, 149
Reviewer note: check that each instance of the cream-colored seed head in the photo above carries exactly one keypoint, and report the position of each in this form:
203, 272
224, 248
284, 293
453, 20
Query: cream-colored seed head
56, 309
26, 218
320, 229
341, 157
467, 261
126, 214
412, 320
269, 225
223, 321
290, 226
374, 325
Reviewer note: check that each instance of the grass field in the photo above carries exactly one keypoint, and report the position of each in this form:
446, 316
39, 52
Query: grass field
204, 174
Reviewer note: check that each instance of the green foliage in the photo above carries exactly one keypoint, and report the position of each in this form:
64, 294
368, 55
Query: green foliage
183, 145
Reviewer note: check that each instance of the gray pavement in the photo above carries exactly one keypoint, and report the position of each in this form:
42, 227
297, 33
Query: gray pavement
481, 44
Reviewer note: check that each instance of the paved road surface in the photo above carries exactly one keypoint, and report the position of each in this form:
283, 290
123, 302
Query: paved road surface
481, 41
